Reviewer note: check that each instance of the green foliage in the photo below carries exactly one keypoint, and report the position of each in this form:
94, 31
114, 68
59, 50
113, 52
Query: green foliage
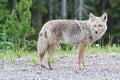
52, 60
114, 3
3, 13
2, 56
18, 25
3, 10
105, 49
115, 9
113, 12
116, 30
66, 47
38, 9
39, 6
34, 61
31, 45
94, 2
4, 44
12, 61
18, 54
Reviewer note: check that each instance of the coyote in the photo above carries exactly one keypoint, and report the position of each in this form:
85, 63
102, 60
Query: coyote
76, 32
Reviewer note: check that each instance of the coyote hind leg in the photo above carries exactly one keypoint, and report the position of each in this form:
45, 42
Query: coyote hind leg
42, 48
52, 50
41, 55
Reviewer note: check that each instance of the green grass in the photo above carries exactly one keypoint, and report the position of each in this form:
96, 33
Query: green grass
34, 61
12, 61
52, 60
16, 54
105, 49
90, 49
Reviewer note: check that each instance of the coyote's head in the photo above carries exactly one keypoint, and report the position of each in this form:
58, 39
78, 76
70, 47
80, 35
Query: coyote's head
98, 25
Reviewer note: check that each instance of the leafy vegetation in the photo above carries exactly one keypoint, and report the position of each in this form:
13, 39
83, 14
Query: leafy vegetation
16, 27
52, 60
11, 60
34, 61
105, 49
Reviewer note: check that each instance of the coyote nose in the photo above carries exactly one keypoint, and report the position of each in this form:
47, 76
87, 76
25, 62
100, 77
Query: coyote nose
96, 32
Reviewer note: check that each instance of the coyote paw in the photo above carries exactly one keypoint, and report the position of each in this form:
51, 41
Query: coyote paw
42, 66
81, 66
50, 68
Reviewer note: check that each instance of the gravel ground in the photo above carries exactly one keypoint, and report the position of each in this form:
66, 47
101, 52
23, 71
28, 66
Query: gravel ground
98, 67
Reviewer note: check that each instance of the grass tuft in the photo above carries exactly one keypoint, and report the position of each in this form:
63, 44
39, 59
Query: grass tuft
34, 61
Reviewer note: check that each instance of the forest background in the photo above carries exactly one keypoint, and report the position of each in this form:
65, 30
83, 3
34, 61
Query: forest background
21, 20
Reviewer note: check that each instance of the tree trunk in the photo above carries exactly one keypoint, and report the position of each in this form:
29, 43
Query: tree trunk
50, 9
64, 8
103, 4
15, 3
80, 9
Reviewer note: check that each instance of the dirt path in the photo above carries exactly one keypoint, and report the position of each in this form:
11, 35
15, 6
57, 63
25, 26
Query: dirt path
98, 67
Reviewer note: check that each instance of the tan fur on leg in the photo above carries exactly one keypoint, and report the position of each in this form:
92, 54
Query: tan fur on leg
41, 58
82, 47
52, 49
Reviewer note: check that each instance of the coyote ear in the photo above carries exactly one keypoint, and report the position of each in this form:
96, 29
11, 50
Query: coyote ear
92, 17
104, 17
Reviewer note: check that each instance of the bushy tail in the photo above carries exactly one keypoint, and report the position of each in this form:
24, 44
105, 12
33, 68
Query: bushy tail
42, 45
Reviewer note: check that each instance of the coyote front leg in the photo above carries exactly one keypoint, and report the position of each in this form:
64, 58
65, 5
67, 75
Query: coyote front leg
82, 47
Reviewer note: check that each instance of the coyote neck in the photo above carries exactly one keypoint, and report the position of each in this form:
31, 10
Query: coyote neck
88, 35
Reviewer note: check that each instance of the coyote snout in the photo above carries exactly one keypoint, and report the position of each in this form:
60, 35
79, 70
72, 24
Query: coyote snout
76, 32
97, 28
